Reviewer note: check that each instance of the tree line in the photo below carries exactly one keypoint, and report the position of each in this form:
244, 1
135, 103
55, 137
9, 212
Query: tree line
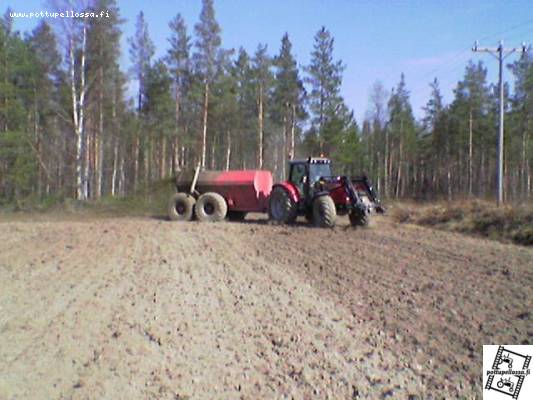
69, 129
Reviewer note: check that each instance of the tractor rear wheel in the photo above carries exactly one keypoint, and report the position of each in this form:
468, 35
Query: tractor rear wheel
324, 212
281, 208
359, 218
181, 207
211, 207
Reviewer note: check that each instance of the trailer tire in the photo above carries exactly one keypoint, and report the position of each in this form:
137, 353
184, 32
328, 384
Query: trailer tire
181, 207
237, 215
281, 208
324, 212
211, 207
359, 218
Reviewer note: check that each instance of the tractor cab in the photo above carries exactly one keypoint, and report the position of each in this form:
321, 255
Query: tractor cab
304, 174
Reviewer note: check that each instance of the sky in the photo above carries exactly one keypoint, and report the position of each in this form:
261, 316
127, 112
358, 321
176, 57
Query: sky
376, 39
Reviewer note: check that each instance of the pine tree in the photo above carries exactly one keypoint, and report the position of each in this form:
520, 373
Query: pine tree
470, 110
378, 141
262, 74
246, 120
207, 45
435, 144
141, 52
288, 98
103, 49
402, 130
178, 60
225, 111
158, 110
522, 112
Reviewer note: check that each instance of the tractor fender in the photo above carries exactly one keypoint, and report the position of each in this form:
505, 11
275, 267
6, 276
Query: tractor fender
291, 189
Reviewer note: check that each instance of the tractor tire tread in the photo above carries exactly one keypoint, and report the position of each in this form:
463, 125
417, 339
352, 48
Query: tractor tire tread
289, 209
324, 212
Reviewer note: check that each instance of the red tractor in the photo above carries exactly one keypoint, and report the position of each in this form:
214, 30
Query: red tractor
312, 191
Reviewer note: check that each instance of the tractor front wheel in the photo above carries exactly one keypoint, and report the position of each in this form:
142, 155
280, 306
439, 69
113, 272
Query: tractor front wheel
181, 207
211, 207
324, 212
281, 208
359, 218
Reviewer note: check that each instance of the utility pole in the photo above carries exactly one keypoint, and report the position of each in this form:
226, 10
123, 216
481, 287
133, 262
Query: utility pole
501, 54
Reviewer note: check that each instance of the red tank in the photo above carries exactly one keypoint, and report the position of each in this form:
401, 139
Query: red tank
243, 190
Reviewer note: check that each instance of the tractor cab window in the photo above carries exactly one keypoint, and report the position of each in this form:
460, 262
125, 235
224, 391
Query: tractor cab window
298, 173
316, 171
299, 176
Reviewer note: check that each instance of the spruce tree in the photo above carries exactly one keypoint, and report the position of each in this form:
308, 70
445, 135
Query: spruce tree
44, 103
325, 79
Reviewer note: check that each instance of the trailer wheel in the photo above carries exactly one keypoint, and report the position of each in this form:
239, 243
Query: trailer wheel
236, 215
211, 207
181, 207
324, 212
359, 218
281, 208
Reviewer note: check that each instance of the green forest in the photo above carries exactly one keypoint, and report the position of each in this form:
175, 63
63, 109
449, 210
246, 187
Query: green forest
68, 128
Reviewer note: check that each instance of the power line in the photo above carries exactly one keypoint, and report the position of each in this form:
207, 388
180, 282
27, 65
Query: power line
499, 34
458, 57
500, 53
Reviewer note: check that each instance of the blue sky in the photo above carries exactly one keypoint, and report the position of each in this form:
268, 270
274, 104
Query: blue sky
377, 40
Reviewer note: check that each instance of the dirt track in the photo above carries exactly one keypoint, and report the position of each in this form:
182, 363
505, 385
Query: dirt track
148, 309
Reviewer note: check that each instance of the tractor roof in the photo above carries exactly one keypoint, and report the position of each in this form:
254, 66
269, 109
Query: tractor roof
312, 160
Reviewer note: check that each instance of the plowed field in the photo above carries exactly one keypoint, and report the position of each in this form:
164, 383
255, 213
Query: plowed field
133, 308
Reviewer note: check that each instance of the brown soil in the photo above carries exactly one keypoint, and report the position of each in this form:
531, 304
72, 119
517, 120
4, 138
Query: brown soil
148, 309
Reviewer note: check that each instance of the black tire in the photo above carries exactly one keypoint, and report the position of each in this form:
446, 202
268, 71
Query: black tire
281, 208
237, 215
359, 218
324, 212
211, 207
181, 207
